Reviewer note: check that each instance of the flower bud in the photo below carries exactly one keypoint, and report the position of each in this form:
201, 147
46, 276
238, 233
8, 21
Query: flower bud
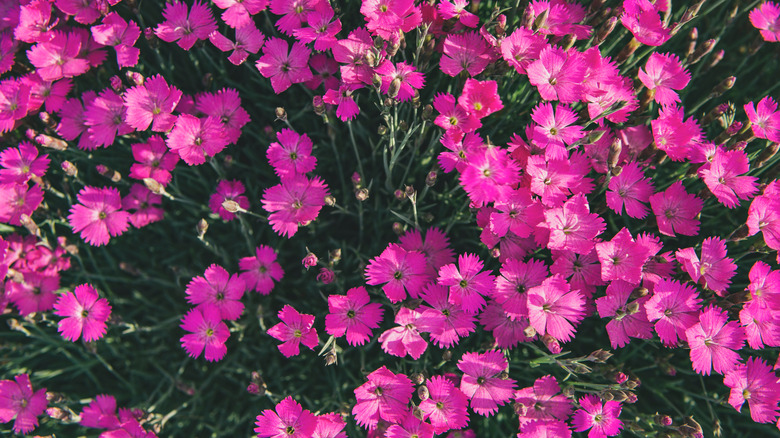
662, 420
70, 168
330, 201
135, 78
361, 194
399, 194
446, 356
394, 88
309, 260
281, 114
701, 51
620, 378
330, 358
232, 206
541, 19
599, 356
50, 142
605, 30
202, 227
398, 229
326, 276
335, 255
116, 84
427, 113
253, 388
723, 86
318, 104
423, 392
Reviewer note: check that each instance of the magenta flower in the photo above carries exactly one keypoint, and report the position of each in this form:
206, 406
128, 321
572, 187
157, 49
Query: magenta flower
631, 189
756, 383
284, 66
554, 309
583, 271
100, 413
293, 14
238, 13
58, 57
558, 74
152, 104
17, 200
228, 191
153, 160
354, 315
713, 340
488, 175
404, 77
405, 338
386, 18
322, 28
351, 54
642, 18
105, 118
330, 425
552, 180
481, 381
85, 314
714, 267
384, 396
289, 420
517, 213
248, 40
194, 138
17, 400
764, 215
445, 406
628, 320
444, 321
764, 117
674, 307
573, 227
725, 177
218, 289
347, 109
508, 329
291, 154
224, 105
521, 48
601, 419
555, 129
676, 210
98, 215
435, 247
400, 271
542, 401
480, 98
662, 74
121, 35
261, 271
622, 258
186, 27
457, 9
293, 203
47, 94
14, 103
34, 20
766, 18
295, 329
674, 135
512, 285
207, 332
465, 51
453, 115
410, 426
34, 294
468, 284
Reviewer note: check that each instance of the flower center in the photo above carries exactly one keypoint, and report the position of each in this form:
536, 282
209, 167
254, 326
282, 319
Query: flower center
297, 333
290, 430
210, 332
398, 275
351, 314
553, 131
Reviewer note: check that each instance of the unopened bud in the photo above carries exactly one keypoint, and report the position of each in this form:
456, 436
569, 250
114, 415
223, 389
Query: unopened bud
691, 429
309, 260
423, 392
723, 86
318, 104
632, 384
714, 60
57, 413
620, 377
253, 388
416, 102
381, 130
281, 114
427, 113
335, 255
632, 308
399, 194
70, 168
376, 81
529, 332
605, 30
692, 11
398, 229
232, 206
109, 173
394, 88
541, 19
51, 142
615, 148
410, 192
330, 201
427, 217
202, 227
154, 186
29, 224
430, 179
326, 276
388, 102
446, 356
116, 84
330, 358
361, 194
701, 51
357, 181
599, 356
662, 420
135, 78
766, 155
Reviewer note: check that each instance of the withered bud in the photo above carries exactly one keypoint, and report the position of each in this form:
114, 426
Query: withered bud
70, 168
692, 11
417, 378
398, 229
154, 186
388, 102
232, 206
330, 201
423, 392
361, 194
281, 114
631, 384
29, 224
51, 142
427, 217
430, 179
410, 192
615, 148
446, 356
541, 19
331, 358
714, 60
607, 395
599, 356
381, 130
319, 105
116, 84
691, 428
495, 253
427, 113
393, 49
416, 102
403, 126
57, 413
335, 255
371, 59
529, 332
202, 227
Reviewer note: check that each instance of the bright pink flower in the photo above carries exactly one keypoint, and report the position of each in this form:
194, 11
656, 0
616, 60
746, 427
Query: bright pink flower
676, 211
764, 215
83, 11
673, 135
289, 420
322, 28
228, 191
261, 271
105, 117
295, 329
583, 271
347, 107
629, 320
573, 227
207, 332
481, 381
713, 340
410, 427
35, 21
435, 247
508, 330
97, 216
764, 287
194, 138
387, 18
405, 338
384, 396
521, 48
291, 154
468, 284
488, 175
465, 51
629, 188
766, 18
554, 309
325, 69
351, 53
662, 74
14, 102
72, 122
764, 118
294, 13
218, 289
52, 94
445, 406
121, 35
512, 285
674, 307
622, 258
558, 74
714, 267
459, 147
153, 160
84, 313
517, 213
756, 383
543, 401
601, 419
186, 27
248, 40
225, 105
454, 116
552, 180
480, 98
726, 180
152, 104
142, 201
545, 429
17, 200
293, 203
642, 18
408, 79
284, 66
330, 425
400, 271
101, 413
34, 294
555, 129
457, 9
17, 400
761, 324
238, 13
444, 321
354, 315
58, 57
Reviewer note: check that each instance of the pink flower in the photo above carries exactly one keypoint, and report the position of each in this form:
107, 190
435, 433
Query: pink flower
558, 74
555, 129
84, 12
573, 227
629, 320
517, 213
542, 401
662, 74
512, 286
325, 69
468, 284
481, 381
764, 117
673, 135
480, 98
291, 154
218, 289
224, 105
322, 28
629, 188
293, 203
153, 160
676, 211
642, 18
351, 54
282, 67
14, 102
261, 271
466, 51
454, 116
387, 18
622, 258
58, 57
410, 426
435, 247
295, 329
445, 321
122, 35
238, 13
228, 191
17, 200
550, 179
195, 139
521, 48
105, 118
403, 76
601, 419
674, 307
35, 20
725, 178
554, 309
354, 315
488, 175
405, 338
72, 123
384, 396
97, 216
713, 340
347, 108
294, 13
766, 18
34, 294
84, 313
400, 271
186, 27
248, 40
101, 413
714, 267
756, 383
764, 215
330, 425
207, 332
289, 420
52, 94
17, 400
152, 104
445, 406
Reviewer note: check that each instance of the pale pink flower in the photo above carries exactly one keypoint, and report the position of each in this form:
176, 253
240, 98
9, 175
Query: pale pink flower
405, 338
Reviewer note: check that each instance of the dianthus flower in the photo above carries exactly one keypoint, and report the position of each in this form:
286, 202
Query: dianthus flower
481, 381
387, 18
445, 406
550, 179
295, 329
261, 271
291, 153
756, 383
34, 294
17, 200
558, 74
140, 202
628, 320
400, 271
512, 285
554, 309
248, 40
457, 9
444, 321
521, 48
488, 175
186, 27
676, 210
674, 308
322, 28
764, 118
347, 109
404, 78
98, 215
207, 332
573, 227
384, 396
542, 401
726, 180
218, 289
105, 118
662, 74
152, 104
766, 18
674, 135
351, 54
508, 330
764, 215
714, 267
330, 425
435, 247
555, 129
17, 400
601, 419
100, 413
284, 66
467, 51
517, 212
631, 189
453, 116
85, 314
238, 13
121, 35
289, 420
642, 18
228, 191
59, 57
713, 340
293, 203
224, 105
480, 98
468, 284
194, 138
410, 426
153, 160
14, 102
405, 338
35, 21
622, 258
354, 315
